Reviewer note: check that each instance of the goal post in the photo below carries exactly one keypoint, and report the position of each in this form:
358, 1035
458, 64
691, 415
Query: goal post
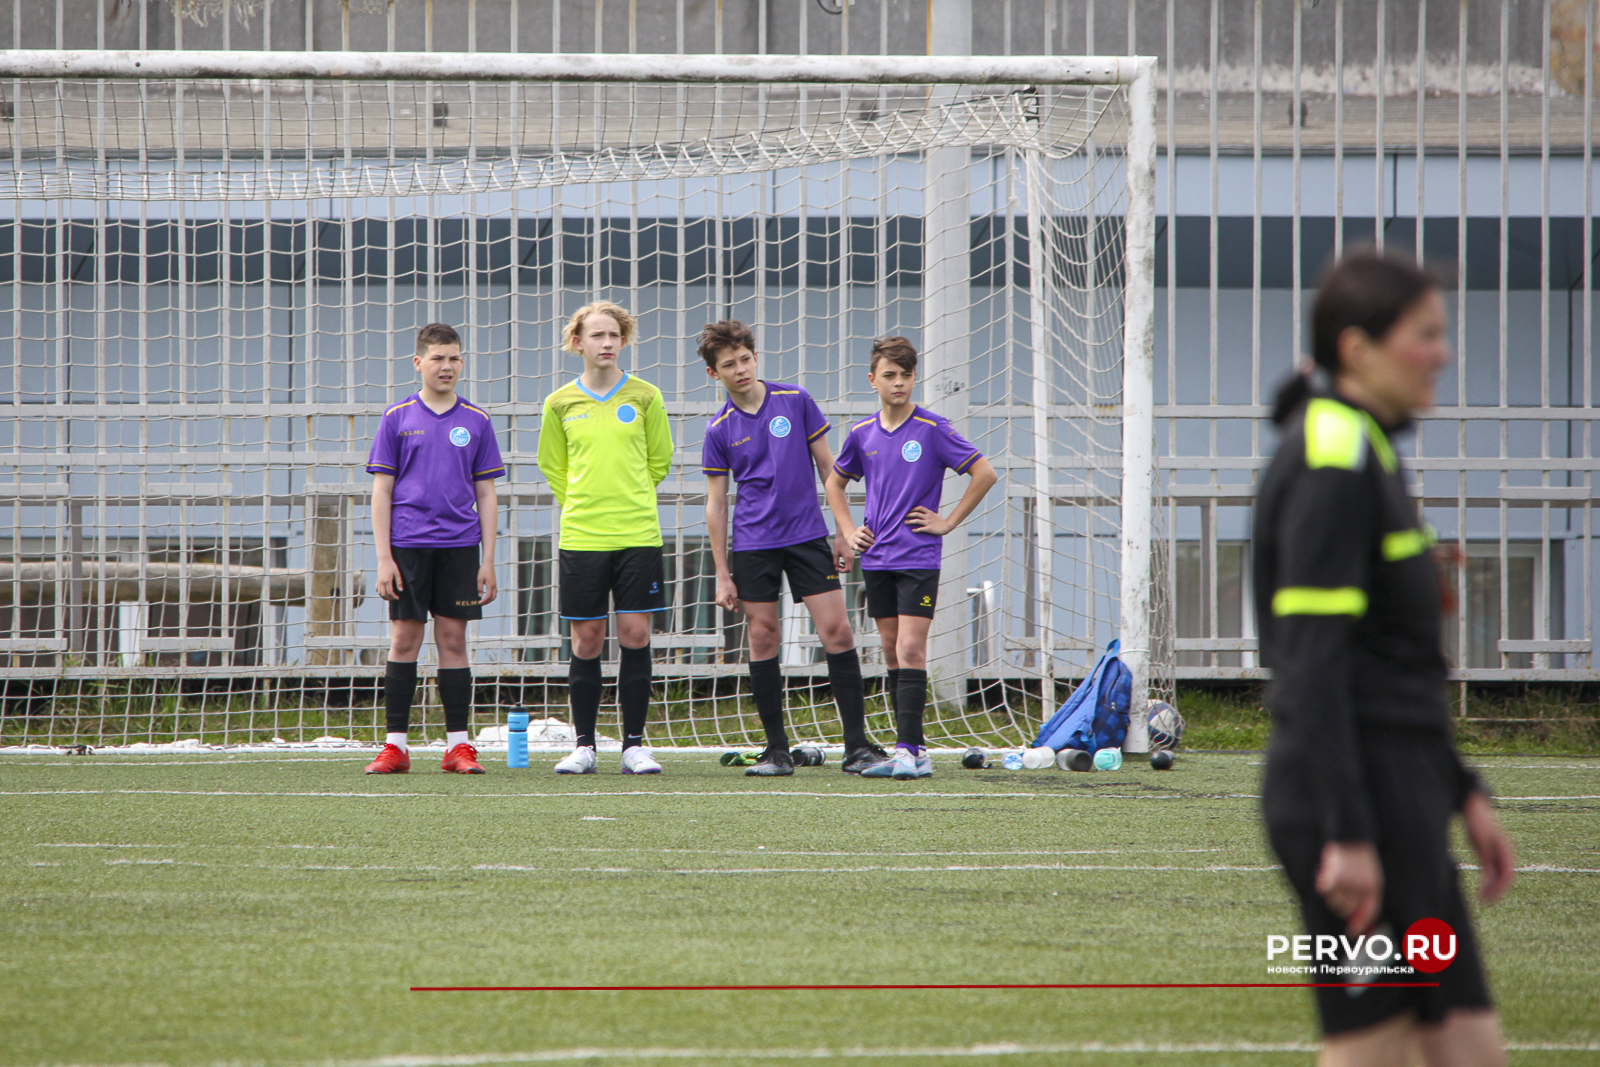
212, 265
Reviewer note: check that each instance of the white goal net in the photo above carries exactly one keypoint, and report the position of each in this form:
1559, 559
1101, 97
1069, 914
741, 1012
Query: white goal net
213, 265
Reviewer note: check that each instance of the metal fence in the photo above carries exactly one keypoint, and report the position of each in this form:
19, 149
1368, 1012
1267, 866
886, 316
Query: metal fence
1287, 133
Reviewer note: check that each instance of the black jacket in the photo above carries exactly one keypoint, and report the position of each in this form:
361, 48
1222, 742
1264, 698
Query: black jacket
1348, 610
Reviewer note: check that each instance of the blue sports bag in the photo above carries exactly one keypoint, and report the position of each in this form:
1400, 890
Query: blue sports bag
1095, 716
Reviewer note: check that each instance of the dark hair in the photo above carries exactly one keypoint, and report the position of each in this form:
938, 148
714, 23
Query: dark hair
1367, 289
436, 333
719, 337
896, 350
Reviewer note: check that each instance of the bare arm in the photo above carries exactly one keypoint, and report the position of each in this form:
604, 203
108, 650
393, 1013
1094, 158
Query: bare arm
981, 480
717, 525
488, 524
389, 580
858, 538
843, 554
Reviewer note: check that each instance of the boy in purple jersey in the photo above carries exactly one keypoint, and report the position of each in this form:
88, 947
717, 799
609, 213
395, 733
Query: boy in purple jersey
767, 437
903, 452
433, 465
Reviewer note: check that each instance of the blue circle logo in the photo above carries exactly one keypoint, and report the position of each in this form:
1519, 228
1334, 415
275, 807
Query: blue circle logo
911, 451
627, 413
460, 437
779, 426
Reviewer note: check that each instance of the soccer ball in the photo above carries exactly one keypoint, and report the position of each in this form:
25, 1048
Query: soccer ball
1166, 725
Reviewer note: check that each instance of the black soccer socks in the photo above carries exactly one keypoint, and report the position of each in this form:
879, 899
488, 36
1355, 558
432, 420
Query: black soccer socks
913, 698
849, 694
455, 693
766, 685
891, 691
399, 689
633, 694
583, 697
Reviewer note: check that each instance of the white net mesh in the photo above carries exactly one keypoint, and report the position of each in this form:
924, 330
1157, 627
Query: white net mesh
210, 292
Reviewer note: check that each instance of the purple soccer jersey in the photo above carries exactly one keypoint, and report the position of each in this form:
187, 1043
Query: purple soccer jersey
904, 469
435, 460
768, 455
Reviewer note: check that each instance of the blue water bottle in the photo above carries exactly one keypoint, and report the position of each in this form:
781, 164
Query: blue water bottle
517, 738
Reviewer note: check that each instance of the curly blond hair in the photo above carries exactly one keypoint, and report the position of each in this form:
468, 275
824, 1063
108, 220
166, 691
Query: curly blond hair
625, 321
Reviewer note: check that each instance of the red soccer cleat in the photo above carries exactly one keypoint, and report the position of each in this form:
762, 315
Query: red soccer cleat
463, 759
392, 760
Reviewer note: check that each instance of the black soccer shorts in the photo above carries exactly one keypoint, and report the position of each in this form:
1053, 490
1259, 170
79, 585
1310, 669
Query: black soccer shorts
438, 581
1410, 778
623, 579
758, 573
891, 593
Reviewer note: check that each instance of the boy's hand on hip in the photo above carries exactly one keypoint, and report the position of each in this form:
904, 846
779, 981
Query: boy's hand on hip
860, 539
924, 521
389, 581
488, 588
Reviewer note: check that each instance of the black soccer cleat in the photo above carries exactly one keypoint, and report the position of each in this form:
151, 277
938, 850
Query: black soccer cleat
774, 763
859, 759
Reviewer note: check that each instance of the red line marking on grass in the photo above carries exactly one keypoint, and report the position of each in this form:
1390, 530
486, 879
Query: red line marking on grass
911, 985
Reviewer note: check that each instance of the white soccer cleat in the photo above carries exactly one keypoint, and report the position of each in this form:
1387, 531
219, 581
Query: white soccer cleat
582, 761
637, 760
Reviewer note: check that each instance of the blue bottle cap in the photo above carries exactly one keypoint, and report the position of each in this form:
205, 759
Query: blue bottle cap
517, 720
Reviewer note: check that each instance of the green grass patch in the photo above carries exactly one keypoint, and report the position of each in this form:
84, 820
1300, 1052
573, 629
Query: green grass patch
276, 908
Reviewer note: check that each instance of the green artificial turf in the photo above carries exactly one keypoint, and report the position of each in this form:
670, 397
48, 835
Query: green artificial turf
275, 908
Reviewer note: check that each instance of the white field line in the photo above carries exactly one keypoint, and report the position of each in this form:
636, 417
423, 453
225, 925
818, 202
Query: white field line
951, 868
880, 854
741, 794
481, 1059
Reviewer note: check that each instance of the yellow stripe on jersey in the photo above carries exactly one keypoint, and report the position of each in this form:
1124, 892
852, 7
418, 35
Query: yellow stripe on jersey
1334, 436
1403, 544
1306, 600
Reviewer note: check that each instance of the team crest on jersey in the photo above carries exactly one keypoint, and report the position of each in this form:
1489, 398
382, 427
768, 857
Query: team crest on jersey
627, 413
779, 426
911, 451
460, 437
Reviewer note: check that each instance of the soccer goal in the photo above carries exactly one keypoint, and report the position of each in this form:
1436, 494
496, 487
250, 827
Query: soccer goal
214, 265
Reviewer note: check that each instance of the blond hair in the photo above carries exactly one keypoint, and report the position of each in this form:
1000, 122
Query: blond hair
625, 322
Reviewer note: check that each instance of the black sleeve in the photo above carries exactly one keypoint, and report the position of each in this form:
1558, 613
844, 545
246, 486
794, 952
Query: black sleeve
1323, 537
1467, 781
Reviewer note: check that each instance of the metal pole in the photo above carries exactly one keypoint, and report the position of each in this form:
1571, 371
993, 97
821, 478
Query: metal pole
946, 328
1138, 400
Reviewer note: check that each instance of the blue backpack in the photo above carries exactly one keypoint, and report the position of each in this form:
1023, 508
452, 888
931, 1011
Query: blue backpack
1095, 716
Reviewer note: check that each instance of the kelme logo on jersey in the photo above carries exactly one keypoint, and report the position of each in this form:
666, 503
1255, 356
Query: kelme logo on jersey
911, 451
627, 413
779, 427
460, 437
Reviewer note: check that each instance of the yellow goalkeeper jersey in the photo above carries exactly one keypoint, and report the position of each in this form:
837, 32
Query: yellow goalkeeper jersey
604, 455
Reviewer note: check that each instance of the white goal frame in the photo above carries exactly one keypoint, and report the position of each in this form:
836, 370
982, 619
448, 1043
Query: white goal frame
1138, 509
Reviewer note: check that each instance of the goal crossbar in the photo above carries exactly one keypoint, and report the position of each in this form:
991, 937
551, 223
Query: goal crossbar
38, 63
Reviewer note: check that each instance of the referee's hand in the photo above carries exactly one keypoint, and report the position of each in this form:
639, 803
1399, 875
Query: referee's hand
1497, 860
1351, 881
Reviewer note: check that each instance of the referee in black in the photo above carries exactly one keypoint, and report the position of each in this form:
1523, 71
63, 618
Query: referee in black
1362, 777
